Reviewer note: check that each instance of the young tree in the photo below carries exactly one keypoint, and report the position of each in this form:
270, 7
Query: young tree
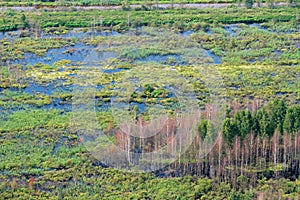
270, 3
291, 2
25, 22
202, 129
229, 131
258, 3
296, 115
246, 124
278, 111
288, 124
255, 124
265, 125
248, 3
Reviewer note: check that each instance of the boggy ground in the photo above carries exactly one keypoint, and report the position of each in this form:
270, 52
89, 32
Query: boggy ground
41, 155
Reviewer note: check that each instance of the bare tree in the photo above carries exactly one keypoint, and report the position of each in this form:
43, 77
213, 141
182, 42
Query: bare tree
275, 148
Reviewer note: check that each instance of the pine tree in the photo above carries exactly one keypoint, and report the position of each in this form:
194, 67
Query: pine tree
278, 114
265, 124
296, 115
288, 124
229, 131
237, 121
203, 128
256, 122
246, 124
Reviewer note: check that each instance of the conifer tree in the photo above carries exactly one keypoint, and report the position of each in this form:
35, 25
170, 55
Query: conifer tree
229, 131
288, 124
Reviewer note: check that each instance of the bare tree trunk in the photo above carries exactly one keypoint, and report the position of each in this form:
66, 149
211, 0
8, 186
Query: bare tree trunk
236, 152
264, 154
93, 28
258, 3
229, 174
220, 142
297, 150
275, 141
127, 136
37, 29
246, 147
101, 23
295, 145
242, 161
128, 19
251, 148
257, 151
286, 141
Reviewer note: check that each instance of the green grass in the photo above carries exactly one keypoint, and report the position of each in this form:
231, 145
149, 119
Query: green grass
108, 2
12, 20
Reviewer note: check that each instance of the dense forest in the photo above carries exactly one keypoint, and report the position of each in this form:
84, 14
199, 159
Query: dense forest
254, 143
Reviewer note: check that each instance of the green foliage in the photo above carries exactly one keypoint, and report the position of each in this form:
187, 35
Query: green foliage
203, 187
4, 72
203, 128
193, 17
264, 122
292, 120
277, 112
30, 119
230, 130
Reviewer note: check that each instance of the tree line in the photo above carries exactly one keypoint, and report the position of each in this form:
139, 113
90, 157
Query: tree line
263, 122
254, 143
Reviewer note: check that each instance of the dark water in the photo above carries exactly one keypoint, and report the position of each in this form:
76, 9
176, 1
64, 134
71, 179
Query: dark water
111, 71
141, 106
126, 105
9, 34
88, 56
216, 59
163, 59
79, 54
187, 33
209, 32
74, 33
75, 54
260, 27
48, 88
232, 29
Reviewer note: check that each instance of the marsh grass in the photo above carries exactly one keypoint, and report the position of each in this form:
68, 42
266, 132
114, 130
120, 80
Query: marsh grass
41, 143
